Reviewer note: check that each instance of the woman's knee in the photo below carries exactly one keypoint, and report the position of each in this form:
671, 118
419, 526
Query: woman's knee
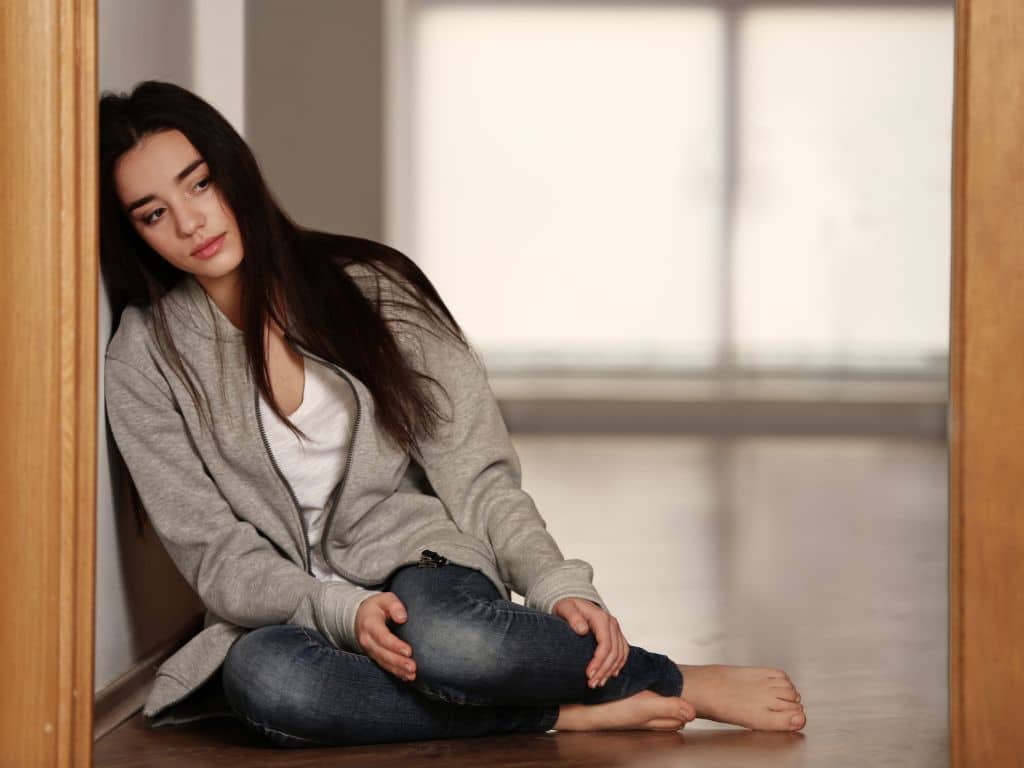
459, 648
258, 649
454, 632
259, 674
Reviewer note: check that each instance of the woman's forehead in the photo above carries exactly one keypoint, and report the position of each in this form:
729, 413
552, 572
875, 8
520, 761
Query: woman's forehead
153, 164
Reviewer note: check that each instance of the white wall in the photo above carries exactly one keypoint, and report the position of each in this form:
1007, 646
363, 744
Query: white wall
141, 599
218, 57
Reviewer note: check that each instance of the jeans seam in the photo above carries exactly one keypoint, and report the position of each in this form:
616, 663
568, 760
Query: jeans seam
264, 729
435, 693
497, 608
317, 645
490, 602
458, 699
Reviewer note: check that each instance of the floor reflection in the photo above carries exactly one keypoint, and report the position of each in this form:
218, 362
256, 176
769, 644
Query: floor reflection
824, 556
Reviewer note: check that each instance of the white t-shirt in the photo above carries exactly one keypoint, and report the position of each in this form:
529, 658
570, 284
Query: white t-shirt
314, 467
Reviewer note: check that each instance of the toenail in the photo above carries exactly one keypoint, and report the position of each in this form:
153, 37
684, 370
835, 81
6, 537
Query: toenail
795, 720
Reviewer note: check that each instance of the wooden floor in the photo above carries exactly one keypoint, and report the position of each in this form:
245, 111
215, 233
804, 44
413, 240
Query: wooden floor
825, 556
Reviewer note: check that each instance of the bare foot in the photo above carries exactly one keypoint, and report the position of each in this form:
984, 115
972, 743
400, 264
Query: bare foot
642, 711
759, 698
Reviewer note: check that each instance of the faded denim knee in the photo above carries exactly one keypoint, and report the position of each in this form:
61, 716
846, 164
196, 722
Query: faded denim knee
455, 641
457, 656
259, 684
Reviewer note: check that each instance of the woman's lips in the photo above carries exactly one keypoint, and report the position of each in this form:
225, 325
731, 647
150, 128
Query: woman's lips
211, 248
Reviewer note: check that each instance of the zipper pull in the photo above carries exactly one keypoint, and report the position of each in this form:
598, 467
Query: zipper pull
430, 559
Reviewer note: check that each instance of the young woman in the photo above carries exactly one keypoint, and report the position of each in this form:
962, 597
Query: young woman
318, 449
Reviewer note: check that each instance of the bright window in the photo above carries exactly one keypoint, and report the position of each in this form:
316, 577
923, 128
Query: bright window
666, 186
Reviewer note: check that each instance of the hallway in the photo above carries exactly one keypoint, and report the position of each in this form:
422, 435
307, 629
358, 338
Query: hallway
826, 556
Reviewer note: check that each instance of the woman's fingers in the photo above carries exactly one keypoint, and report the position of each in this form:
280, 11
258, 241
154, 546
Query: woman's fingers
394, 609
399, 666
387, 639
384, 649
598, 667
616, 654
612, 649
616, 648
621, 654
382, 645
372, 618
574, 617
625, 654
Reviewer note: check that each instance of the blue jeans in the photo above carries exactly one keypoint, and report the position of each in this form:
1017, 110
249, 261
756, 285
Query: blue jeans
484, 665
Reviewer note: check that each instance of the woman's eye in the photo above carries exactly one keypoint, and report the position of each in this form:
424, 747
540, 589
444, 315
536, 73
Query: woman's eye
202, 185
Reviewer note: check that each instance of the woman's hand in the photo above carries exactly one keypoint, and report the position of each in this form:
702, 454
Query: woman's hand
376, 638
612, 648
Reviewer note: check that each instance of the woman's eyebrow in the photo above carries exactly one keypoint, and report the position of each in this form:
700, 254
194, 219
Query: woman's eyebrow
181, 175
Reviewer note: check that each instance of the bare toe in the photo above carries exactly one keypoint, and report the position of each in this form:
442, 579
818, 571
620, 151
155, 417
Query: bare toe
781, 705
787, 692
759, 698
665, 724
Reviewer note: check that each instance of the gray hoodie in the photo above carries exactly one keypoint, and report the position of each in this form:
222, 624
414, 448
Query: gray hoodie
230, 522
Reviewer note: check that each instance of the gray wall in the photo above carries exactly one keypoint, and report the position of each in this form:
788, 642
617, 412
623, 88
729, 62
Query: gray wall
314, 109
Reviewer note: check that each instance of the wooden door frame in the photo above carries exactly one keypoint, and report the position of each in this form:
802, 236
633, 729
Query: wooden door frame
986, 573
49, 388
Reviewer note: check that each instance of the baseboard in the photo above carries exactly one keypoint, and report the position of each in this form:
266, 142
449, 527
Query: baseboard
712, 406
723, 419
121, 699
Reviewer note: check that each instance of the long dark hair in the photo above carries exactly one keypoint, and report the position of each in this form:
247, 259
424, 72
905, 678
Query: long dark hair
323, 308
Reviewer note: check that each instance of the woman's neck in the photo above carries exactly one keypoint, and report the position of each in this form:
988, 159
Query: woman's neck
226, 293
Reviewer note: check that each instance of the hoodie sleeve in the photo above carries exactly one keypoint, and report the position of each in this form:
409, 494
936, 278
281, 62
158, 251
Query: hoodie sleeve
236, 571
475, 471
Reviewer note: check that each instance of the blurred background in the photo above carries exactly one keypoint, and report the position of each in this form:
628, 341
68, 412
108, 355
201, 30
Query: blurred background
704, 250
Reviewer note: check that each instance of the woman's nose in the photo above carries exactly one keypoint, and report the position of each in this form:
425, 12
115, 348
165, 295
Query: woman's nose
189, 220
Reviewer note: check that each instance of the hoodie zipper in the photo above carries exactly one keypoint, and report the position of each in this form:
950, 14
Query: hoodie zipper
307, 561
428, 558
339, 488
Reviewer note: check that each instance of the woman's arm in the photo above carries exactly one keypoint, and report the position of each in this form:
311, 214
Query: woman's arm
475, 471
235, 570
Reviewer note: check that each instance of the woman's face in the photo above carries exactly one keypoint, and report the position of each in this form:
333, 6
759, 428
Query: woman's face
164, 186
